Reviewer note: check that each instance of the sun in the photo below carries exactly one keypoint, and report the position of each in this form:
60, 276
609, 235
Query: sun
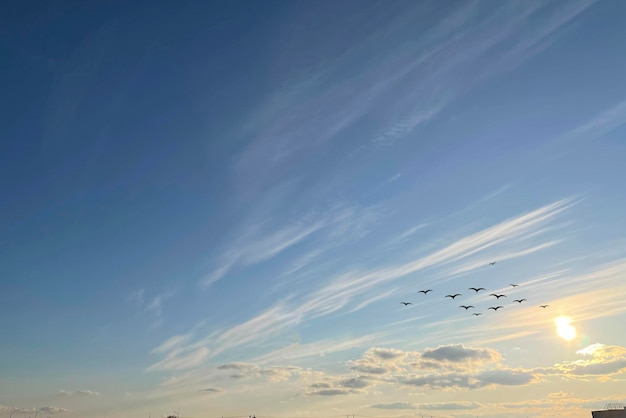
564, 329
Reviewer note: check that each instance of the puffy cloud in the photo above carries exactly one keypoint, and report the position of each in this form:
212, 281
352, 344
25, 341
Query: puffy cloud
459, 353
369, 368
250, 370
599, 359
353, 383
386, 353
380, 361
601, 351
450, 406
610, 367
78, 393
394, 405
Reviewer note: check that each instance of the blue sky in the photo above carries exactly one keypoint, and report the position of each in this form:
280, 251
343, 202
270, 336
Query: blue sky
219, 206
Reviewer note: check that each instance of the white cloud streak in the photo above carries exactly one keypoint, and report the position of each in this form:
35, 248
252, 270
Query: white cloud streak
343, 290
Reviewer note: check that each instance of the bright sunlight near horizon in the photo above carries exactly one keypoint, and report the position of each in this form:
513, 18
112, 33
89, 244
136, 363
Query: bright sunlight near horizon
312, 209
565, 329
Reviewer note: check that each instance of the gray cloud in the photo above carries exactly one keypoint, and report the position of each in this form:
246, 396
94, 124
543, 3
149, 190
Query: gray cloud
506, 377
610, 367
331, 392
238, 366
74, 393
210, 390
369, 368
459, 353
386, 353
449, 380
51, 410
394, 405
450, 406
531, 404
354, 383
321, 385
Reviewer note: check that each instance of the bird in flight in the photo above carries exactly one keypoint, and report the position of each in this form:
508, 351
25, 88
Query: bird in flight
497, 296
425, 291
406, 303
493, 263
543, 306
476, 289
514, 285
477, 314
519, 300
466, 307
495, 308
452, 296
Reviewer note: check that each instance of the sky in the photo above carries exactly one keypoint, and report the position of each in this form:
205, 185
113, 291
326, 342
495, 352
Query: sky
215, 209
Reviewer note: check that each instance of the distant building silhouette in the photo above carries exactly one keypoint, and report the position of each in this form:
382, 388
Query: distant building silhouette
610, 413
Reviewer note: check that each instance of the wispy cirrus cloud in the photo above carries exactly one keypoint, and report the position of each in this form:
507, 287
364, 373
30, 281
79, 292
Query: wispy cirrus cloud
602, 124
298, 351
262, 241
180, 359
152, 306
172, 343
406, 86
344, 290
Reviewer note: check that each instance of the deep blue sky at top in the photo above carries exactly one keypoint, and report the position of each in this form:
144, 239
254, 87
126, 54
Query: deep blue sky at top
124, 128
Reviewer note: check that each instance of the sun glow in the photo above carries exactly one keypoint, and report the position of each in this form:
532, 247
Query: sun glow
564, 329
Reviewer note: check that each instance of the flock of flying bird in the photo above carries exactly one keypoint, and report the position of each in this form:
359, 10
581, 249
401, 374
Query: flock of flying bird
477, 289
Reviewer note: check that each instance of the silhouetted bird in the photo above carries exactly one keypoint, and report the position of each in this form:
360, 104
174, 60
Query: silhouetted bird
514, 285
476, 289
519, 300
495, 308
425, 291
497, 296
477, 314
493, 263
543, 306
406, 303
466, 307
452, 296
